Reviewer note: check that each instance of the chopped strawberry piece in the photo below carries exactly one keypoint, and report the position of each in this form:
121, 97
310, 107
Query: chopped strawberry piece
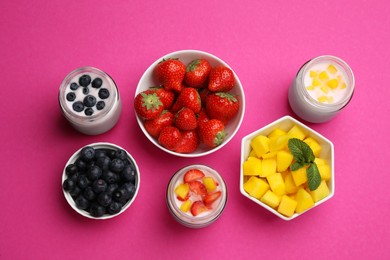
198, 207
193, 175
198, 188
211, 197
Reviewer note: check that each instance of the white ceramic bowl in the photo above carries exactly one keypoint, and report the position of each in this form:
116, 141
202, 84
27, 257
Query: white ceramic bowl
285, 123
186, 56
108, 146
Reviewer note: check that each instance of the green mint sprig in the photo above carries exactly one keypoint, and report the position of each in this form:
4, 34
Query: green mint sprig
304, 156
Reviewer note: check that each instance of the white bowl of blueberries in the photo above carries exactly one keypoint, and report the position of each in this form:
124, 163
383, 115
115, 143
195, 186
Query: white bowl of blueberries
100, 180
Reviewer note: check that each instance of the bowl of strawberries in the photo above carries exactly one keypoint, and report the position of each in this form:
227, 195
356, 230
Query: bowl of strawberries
189, 103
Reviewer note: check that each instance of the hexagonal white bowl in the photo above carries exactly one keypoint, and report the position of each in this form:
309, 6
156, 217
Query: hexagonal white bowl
285, 123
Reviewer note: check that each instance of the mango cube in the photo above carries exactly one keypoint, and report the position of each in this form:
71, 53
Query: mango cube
331, 69
324, 89
322, 99
304, 201
185, 206
283, 160
315, 82
268, 155
209, 183
182, 191
323, 76
276, 183
287, 206
256, 187
320, 161
299, 176
324, 170
296, 132
268, 167
278, 143
289, 183
321, 192
314, 145
333, 83
271, 199
276, 133
260, 144
313, 73
310, 87
252, 166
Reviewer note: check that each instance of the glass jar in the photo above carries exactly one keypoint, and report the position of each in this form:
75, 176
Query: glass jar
321, 89
187, 218
89, 99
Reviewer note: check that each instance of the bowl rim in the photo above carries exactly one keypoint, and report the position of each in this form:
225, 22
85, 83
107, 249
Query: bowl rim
73, 158
309, 130
239, 86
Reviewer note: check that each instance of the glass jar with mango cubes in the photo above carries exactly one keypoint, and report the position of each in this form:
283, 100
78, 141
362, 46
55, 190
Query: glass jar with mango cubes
322, 88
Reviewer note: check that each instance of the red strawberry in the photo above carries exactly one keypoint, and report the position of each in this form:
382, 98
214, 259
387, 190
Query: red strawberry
185, 119
221, 79
188, 97
203, 92
167, 97
202, 117
211, 197
148, 105
183, 199
170, 73
222, 106
193, 175
198, 207
197, 73
169, 137
154, 126
198, 188
189, 142
212, 133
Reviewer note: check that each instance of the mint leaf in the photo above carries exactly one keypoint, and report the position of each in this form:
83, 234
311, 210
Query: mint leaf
313, 177
296, 166
301, 151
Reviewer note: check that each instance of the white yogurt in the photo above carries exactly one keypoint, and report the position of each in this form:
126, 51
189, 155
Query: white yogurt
94, 117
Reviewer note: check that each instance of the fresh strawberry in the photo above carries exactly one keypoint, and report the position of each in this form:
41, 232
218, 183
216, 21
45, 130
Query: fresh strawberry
148, 105
193, 175
198, 207
211, 197
154, 126
222, 106
197, 73
183, 199
167, 97
221, 78
203, 92
188, 97
198, 188
169, 137
202, 117
189, 142
170, 73
212, 133
185, 119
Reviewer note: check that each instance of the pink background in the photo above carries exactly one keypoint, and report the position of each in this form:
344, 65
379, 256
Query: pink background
265, 42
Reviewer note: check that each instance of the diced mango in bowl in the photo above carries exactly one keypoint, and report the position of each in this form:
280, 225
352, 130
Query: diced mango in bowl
277, 175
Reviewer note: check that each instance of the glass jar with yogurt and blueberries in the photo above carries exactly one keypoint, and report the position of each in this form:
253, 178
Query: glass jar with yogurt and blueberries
196, 196
322, 88
90, 100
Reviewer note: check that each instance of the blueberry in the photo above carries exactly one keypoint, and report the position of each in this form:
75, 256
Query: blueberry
100, 105
97, 210
99, 153
130, 189
71, 96
83, 181
85, 91
85, 80
121, 195
81, 164
89, 194
70, 169
110, 177
87, 153
88, 111
117, 165
128, 174
74, 86
82, 202
75, 191
103, 162
68, 184
99, 186
78, 106
89, 101
94, 172
114, 207
111, 153
111, 188
121, 154
104, 93
97, 83
104, 199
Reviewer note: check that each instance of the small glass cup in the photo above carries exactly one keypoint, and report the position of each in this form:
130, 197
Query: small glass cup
186, 218
94, 116
318, 98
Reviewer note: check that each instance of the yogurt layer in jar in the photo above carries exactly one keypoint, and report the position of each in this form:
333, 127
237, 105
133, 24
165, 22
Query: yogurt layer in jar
322, 88
90, 100
196, 201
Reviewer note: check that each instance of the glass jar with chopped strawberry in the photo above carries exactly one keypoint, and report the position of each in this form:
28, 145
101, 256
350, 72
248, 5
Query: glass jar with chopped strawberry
196, 196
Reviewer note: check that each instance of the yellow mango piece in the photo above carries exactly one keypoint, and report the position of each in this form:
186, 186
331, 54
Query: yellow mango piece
283, 160
287, 206
324, 170
276, 183
322, 99
324, 89
314, 145
182, 190
331, 69
343, 86
289, 183
278, 143
252, 166
209, 183
323, 76
299, 176
332, 83
321, 192
271, 199
260, 144
296, 132
276, 133
256, 187
313, 73
310, 87
330, 100
268, 167
320, 161
268, 155
304, 201
315, 82
185, 206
